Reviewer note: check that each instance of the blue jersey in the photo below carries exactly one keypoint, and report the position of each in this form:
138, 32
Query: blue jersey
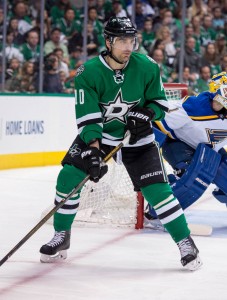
193, 121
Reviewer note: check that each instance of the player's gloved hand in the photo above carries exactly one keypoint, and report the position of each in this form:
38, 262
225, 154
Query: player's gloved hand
92, 158
139, 123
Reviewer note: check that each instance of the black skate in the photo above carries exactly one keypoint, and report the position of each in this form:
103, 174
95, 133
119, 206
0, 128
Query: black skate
56, 249
189, 254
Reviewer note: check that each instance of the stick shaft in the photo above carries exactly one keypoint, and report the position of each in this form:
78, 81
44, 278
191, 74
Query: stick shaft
60, 204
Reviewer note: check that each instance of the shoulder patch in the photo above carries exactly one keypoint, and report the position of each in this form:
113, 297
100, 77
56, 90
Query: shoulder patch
80, 70
151, 59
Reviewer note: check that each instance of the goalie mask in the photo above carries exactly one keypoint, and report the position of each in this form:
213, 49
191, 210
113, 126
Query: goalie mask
122, 35
216, 82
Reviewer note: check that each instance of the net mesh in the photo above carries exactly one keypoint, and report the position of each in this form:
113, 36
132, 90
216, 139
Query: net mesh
173, 95
111, 201
175, 92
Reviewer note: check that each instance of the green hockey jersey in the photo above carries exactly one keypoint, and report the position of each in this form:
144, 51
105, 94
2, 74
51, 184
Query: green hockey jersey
105, 96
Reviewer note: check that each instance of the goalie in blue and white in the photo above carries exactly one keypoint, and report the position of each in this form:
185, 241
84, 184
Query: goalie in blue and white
193, 137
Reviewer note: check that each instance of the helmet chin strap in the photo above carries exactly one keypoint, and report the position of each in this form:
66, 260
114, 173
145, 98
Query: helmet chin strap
109, 52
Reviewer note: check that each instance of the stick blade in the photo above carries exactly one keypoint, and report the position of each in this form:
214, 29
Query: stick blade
200, 229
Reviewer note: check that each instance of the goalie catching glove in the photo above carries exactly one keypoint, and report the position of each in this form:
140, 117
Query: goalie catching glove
139, 123
92, 158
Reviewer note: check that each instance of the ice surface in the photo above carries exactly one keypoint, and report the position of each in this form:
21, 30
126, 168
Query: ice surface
103, 263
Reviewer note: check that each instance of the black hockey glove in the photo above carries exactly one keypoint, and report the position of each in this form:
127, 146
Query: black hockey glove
92, 158
139, 123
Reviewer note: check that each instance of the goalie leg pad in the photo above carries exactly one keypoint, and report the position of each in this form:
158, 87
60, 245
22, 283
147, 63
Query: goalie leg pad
198, 176
221, 176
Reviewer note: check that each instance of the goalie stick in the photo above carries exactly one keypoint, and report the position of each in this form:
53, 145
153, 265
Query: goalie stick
195, 229
61, 203
200, 229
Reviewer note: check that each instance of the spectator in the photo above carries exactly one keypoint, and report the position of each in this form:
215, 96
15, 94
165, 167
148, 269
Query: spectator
177, 14
198, 8
164, 34
196, 24
211, 59
188, 79
97, 27
24, 80
224, 63
190, 33
220, 45
159, 44
58, 10
165, 71
31, 49
13, 69
202, 83
170, 22
141, 48
147, 9
139, 16
218, 19
148, 34
1, 23
11, 51
35, 8
117, 10
52, 82
75, 58
55, 42
18, 38
92, 41
191, 58
67, 88
91, 3
162, 7
62, 66
210, 7
224, 9
20, 11
93, 19
71, 28
100, 8
46, 25
27, 78
208, 33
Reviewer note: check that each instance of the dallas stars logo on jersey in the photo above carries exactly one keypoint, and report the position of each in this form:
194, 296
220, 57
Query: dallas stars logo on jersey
117, 109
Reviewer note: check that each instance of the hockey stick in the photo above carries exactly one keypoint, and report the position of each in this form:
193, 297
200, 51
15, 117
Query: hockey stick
195, 229
200, 229
61, 203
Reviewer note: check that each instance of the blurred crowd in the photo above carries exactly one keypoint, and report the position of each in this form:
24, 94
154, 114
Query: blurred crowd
159, 33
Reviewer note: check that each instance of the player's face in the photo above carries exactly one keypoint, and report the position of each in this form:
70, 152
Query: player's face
122, 47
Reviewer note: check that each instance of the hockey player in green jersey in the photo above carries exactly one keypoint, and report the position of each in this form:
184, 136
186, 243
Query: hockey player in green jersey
119, 90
